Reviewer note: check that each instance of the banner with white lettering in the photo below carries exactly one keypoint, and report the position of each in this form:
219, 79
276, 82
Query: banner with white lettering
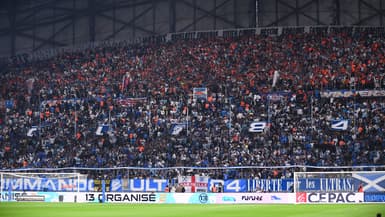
257, 127
352, 93
339, 125
371, 183
128, 102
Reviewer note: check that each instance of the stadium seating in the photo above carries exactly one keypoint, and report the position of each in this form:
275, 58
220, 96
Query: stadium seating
117, 106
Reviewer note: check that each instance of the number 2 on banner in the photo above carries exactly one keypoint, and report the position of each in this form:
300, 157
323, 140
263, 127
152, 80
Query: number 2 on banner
234, 186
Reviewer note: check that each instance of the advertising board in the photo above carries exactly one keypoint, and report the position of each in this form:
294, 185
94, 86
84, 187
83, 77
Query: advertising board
329, 197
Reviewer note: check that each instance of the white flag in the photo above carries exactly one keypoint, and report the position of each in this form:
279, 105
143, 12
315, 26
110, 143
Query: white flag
30, 131
275, 78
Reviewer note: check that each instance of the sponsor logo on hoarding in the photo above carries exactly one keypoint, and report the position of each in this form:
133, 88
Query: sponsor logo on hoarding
300, 197
374, 197
332, 197
252, 198
117, 197
228, 199
203, 198
162, 198
274, 197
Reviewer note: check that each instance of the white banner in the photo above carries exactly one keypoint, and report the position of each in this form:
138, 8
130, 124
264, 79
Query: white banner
329, 197
192, 198
189, 198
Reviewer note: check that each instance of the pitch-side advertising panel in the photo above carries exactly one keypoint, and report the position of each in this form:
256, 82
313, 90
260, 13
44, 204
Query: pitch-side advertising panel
166, 198
329, 197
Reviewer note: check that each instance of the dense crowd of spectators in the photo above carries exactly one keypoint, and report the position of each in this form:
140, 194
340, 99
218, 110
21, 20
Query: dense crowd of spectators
142, 91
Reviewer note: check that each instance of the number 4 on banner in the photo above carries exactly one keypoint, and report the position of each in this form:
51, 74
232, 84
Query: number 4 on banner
234, 186
340, 124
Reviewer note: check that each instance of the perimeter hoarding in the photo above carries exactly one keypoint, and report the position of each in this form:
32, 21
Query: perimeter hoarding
329, 197
200, 198
164, 198
191, 198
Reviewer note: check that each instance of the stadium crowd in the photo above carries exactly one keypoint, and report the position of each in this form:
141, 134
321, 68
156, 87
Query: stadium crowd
55, 113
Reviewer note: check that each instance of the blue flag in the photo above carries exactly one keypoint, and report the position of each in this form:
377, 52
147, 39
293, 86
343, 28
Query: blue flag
177, 128
102, 129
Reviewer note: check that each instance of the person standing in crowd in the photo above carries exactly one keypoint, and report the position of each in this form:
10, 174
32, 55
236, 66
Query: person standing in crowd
214, 189
360, 188
220, 188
